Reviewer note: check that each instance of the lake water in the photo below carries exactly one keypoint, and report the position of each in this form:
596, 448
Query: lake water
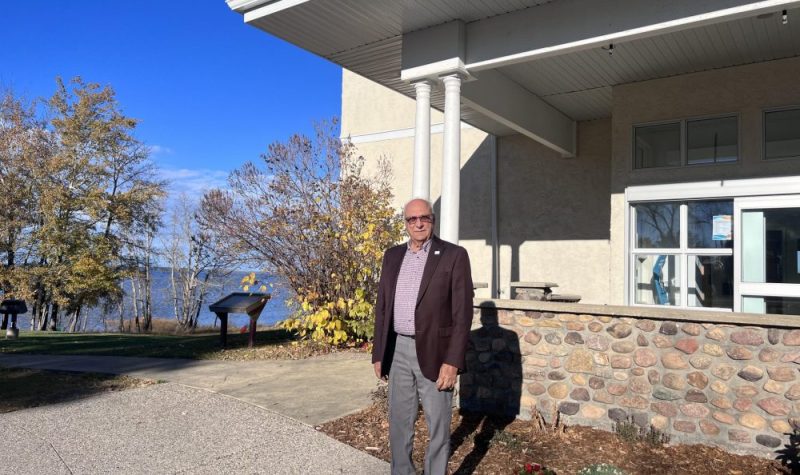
273, 312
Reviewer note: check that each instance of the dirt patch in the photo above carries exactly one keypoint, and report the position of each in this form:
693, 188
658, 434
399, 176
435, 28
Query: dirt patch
287, 351
490, 445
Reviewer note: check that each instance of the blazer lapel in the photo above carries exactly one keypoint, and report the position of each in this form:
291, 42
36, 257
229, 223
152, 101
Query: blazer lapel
395, 265
434, 255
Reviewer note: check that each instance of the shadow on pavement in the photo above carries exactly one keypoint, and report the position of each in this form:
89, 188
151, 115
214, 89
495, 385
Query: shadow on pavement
22, 388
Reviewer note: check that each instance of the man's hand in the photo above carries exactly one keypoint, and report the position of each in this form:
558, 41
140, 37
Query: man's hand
447, 377
377, 367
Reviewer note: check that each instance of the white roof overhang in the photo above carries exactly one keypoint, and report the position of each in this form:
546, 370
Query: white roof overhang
531, 66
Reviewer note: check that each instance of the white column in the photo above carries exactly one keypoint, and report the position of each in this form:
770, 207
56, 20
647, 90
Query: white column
451, 159
421, 181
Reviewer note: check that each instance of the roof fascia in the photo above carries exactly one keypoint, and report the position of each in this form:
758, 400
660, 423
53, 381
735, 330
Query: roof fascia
242, 6
542, 31
272, 8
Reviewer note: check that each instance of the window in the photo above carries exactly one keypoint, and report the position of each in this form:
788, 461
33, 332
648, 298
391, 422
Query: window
683, 253
782, 134
658, 145
712, 140
715, 245
687, 142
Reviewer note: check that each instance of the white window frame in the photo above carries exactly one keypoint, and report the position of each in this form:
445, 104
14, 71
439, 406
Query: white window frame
683, 254
747, 192
751, 288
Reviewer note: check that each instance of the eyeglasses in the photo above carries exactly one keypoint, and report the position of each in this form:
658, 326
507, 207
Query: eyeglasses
425, 218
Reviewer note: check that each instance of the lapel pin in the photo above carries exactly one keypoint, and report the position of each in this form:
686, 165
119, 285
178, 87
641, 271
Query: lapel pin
436, 253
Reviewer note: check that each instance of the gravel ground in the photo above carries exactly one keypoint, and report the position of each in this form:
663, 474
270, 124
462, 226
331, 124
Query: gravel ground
169, 428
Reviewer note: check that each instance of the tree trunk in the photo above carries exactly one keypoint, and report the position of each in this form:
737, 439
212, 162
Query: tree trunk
54, 317
37, 307
71, 322
174, 290
121, 326
74, 324
43, 314
200, 299
135, 302
9, 265
85, 320
34, 318
148, 309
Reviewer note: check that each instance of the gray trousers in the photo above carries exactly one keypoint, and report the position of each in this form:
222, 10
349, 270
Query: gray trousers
407, 386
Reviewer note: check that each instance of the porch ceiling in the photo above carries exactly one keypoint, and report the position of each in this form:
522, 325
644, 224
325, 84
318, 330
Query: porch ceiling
579, 84
366, 37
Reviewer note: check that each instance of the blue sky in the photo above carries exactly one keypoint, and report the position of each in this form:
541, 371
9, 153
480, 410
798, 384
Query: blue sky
210, 92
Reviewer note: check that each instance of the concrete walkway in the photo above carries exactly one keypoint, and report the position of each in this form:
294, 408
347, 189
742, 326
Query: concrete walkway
312, 390
213, 417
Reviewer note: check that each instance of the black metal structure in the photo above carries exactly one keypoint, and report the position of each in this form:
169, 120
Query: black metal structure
251, 303
12, 307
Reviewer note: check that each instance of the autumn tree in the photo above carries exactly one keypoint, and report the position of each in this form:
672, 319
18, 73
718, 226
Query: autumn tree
197, 262
24, 146
310, 214
92, 184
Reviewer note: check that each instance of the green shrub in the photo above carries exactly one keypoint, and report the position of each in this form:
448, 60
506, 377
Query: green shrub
506, 438
601, 469
628, 431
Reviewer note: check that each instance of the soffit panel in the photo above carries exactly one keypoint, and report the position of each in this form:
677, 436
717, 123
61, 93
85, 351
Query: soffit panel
583, 105
327, 27
722, 45
365, 37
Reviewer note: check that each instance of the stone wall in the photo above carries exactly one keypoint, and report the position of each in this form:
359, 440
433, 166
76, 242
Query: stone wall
734, 386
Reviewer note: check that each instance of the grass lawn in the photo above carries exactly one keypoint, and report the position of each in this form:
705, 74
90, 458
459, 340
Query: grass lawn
203, 346
23, 388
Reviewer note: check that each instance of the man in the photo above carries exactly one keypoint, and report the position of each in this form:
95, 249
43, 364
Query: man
422, 323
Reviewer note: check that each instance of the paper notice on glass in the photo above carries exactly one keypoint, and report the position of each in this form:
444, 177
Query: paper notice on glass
722, 229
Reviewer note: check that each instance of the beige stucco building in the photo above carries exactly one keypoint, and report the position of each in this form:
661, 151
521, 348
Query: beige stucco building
634, 153
564, 219
642, 154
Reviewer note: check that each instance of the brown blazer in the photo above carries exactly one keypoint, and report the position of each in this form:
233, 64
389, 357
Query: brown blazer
443, 315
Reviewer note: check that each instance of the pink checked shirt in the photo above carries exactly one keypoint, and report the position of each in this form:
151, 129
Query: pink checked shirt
407, 290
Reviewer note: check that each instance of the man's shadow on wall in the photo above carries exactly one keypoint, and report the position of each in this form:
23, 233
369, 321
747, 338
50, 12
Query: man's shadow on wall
490, 389
789, 455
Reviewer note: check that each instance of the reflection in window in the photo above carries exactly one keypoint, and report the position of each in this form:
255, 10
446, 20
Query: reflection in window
657, 145
657, 225
782, 134
776, 305
782, 241
712, 283
783, 305
702, 215
656, 280
771, 246
712, 140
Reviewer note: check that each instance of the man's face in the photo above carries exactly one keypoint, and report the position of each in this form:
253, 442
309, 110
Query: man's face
419, 221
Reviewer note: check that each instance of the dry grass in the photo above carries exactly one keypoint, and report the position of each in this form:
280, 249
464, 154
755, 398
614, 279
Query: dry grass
166, 326
295, 350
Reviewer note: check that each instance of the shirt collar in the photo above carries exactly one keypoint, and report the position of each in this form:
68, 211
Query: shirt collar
425, 246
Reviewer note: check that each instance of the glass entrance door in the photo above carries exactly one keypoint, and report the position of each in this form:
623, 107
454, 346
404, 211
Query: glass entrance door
767, 269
